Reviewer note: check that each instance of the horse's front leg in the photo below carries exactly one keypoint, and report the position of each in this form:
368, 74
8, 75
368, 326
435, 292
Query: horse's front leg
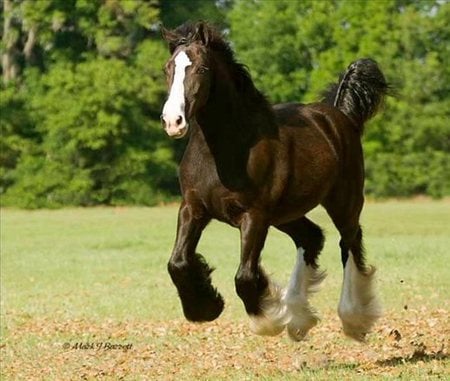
262, 298
189, 271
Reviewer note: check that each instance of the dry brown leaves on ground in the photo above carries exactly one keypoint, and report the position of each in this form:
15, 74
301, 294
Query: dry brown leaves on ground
410, 344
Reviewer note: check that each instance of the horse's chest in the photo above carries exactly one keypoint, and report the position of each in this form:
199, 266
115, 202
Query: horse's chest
224, 205
221, 185
227, 207
220, 203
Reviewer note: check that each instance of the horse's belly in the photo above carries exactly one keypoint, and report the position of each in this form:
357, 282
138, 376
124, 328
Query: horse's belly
293, 210
306, 188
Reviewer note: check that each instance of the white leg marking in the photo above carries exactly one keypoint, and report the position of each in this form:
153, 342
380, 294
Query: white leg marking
358, 307
304, 281
174, 106
274, 315
290, 306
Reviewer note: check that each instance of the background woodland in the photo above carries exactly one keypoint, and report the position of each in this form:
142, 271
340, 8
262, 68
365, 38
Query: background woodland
82, 90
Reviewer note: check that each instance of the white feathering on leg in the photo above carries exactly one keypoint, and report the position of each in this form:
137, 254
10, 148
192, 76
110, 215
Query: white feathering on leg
358, 306
290, 306
273, 317
304, 281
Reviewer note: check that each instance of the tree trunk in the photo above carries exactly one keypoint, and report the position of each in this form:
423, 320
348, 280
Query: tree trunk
9, 62
29, 45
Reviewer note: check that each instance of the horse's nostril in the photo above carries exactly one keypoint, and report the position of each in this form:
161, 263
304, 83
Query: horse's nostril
179, 120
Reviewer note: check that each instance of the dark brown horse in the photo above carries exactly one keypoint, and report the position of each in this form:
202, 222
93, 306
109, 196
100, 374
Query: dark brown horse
253, 166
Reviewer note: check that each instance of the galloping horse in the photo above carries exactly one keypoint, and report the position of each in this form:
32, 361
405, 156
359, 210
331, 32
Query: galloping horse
253, 166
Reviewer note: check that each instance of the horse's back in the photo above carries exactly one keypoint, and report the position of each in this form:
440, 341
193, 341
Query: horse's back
315, 122
323, 148
300, 115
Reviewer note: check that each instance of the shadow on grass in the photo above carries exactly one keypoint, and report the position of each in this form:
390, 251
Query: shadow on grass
329, 366
418, 355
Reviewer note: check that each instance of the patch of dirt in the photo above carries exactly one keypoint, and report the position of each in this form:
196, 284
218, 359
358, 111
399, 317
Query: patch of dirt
410, 342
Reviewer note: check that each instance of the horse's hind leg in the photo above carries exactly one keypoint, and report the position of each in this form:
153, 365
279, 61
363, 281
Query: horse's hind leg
305, 278
358, 306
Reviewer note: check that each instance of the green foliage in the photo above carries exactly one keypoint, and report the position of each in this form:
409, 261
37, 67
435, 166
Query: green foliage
18, 137
176, 12
88, 130
280, 43
83, 89
403, 175
295, 49
99, 138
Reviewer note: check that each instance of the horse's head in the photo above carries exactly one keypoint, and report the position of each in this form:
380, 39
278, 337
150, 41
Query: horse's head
188, 77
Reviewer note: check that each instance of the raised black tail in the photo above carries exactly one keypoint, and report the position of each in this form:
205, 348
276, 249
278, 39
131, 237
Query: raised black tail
360, 91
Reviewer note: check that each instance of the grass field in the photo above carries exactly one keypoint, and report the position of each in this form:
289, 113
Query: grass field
85, 295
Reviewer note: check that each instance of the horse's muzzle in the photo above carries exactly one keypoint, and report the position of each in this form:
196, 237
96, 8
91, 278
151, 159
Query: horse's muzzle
176, 127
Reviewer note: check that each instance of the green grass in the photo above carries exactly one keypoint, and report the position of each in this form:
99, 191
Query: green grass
112, 262
109, 264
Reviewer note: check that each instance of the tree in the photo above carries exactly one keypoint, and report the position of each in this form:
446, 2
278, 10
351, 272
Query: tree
82, 89
280, 43
91, 97
294, 49
177, 12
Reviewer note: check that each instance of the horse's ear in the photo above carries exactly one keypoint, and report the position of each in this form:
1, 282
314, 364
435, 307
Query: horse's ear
170, 36
202, 33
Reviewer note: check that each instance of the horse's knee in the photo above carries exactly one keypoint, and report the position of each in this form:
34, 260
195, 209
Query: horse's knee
175, 263
177, 266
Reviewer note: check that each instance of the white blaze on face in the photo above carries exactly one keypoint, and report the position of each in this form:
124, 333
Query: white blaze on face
173, 111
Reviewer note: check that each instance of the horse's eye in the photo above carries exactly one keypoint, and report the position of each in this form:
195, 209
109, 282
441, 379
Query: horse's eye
202, 70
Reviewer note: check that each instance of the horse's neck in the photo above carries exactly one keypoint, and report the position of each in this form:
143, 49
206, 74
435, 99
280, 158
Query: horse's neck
229, 130
227, 154
233, 121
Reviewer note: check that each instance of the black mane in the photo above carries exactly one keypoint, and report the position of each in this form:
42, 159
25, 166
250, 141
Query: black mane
190, 32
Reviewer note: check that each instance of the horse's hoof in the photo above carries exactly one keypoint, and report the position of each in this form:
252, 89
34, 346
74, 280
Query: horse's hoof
261, 325
355, 332
300, 326
296, 334
357, 324
204, 310
355, 335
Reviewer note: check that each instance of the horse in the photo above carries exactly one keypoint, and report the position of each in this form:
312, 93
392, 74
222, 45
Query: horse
253, 166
